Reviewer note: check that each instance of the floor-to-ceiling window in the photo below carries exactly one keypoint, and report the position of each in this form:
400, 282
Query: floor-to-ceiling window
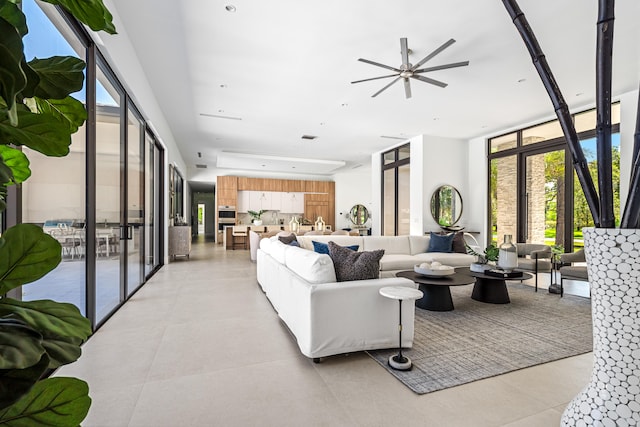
54, 196
103, 201
533, 192
396, 167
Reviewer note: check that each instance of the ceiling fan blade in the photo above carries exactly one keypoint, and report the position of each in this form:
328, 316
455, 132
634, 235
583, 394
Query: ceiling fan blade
375, 78
442, 67
404, 50
386, 87
434, 53
428, 80
407, 88
377, 64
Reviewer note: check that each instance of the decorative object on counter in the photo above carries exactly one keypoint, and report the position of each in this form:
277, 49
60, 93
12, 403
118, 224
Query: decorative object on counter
256, 216
490, 254
319, 224
507, 254
294, 225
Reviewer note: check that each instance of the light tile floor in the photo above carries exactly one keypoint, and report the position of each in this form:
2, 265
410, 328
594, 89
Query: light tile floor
200, 345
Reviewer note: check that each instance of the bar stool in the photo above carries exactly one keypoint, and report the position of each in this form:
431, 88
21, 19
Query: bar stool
240, 237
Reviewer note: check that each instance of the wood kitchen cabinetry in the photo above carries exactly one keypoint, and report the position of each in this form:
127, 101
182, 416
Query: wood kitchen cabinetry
284, 195
227, 187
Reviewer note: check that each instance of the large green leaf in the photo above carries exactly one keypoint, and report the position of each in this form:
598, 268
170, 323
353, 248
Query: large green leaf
27, 254
12, 14
69, 110
33, 80
20, 345
91, 12
17, 162
41, 132
12, 78
60, 76
58, 402
62, 326
14, 383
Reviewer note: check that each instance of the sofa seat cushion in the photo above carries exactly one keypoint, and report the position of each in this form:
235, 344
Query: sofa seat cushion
397, 262
311, 266
530, 264
352, 265
453, 259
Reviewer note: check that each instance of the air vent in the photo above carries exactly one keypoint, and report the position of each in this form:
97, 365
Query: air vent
309, 137
392, 137
201, 166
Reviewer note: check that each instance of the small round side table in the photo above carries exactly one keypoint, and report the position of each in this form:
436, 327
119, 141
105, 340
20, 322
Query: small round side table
400, 293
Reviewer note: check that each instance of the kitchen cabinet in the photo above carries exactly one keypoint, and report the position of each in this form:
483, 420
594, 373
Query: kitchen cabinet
292, 202
243, 202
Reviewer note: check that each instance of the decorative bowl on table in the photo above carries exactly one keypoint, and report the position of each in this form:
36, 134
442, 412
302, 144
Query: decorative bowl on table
433, 269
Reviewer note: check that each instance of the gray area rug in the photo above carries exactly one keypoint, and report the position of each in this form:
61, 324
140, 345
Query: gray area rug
478, 340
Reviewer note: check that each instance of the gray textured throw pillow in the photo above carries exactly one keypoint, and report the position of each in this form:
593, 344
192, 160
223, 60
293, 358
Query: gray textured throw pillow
287, 240
352, 265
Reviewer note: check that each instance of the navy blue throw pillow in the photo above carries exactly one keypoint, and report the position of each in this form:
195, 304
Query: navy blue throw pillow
323, 248
439, 243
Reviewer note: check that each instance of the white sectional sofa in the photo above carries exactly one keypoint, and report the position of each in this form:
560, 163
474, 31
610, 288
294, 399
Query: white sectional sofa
329, 317
400, 252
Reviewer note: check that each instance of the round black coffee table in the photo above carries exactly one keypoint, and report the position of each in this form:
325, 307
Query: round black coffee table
437, 295
492, 289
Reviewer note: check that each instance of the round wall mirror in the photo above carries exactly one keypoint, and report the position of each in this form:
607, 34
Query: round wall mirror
359, 215
446, 205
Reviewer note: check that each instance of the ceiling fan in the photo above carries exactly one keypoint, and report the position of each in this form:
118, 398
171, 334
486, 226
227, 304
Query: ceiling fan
408, 71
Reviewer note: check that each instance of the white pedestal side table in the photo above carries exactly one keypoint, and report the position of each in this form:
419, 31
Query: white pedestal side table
398, 361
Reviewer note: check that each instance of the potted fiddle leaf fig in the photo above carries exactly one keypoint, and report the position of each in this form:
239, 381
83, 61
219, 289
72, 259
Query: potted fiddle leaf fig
611, 251
37, 111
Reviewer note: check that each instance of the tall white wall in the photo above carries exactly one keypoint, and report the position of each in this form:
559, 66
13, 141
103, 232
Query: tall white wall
352, 188
628, 108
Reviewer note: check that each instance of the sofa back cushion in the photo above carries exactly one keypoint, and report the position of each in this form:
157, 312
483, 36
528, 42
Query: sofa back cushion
311, 266
390, 244
352, 265
418, 244
323, 248
306, 242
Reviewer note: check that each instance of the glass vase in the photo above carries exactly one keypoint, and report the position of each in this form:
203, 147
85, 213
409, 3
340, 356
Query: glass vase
294, 225
507, 254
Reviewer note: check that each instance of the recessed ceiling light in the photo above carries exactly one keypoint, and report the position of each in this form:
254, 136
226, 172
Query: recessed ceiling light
522, 80
436, 118
309, 137
199, 154
579, 94
230, 8
344, 104
223, 85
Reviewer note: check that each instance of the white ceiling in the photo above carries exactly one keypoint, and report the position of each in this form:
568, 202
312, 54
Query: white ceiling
257, 80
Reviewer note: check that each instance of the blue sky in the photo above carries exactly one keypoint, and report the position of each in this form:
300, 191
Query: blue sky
44, 41
589, 146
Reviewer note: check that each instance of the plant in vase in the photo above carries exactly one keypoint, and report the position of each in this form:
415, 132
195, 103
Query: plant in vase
490, 254
256, 217
611, 254
38, 111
